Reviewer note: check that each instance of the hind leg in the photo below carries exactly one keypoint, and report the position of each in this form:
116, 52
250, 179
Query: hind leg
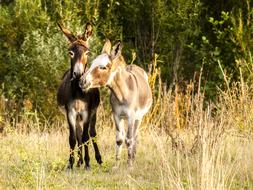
120, 136
130, 140
135, 136
86, 142
72, 137
93, 136
79, 133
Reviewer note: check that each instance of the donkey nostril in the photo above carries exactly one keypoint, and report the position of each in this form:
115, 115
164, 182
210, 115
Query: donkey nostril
77, 74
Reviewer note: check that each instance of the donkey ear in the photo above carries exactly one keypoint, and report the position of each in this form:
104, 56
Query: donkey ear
88, 31
107, 47
67, 33
116, 50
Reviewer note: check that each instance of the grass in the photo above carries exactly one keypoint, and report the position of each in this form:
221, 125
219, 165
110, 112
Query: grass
185, 143
37, 160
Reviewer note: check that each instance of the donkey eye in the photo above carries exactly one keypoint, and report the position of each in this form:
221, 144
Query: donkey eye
71, 53
87, 52
102, 67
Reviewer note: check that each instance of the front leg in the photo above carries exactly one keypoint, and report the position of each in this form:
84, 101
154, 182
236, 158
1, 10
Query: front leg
86, 138
130, 140
79, 134
93, 135
120, 136
71, 116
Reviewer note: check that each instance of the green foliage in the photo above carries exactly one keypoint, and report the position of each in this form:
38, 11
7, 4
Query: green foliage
186, 34
241, 36
34, 54
211, 49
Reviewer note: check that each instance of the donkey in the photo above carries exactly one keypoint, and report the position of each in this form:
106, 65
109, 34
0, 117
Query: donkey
80, 107
130, 98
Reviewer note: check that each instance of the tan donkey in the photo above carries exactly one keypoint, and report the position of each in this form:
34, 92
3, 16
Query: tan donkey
131, 96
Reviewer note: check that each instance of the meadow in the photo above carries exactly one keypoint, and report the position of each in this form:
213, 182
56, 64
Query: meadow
198, 133
184, 143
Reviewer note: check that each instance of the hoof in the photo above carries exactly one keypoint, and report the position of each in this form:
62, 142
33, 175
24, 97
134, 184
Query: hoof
130, 163
130, 168
87, 168
99, 159
100, 162
79, 163
69, 168
116, 166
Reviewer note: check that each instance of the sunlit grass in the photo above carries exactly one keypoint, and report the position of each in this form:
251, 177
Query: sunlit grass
185, 142
37, 160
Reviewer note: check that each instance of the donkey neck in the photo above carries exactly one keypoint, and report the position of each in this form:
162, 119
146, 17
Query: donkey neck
76, 91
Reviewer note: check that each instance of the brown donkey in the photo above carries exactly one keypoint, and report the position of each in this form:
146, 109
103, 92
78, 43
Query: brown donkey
130, 98
80, 107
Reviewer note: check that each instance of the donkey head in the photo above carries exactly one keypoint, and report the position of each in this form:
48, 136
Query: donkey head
78, 50
103, 67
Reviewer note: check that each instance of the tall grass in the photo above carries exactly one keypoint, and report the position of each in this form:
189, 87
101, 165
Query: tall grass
185, 142
202, 136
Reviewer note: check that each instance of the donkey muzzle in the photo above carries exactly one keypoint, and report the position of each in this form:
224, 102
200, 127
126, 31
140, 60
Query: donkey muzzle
83, 83
78, 70
77, 75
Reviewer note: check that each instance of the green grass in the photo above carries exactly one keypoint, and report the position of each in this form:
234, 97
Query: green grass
37, 160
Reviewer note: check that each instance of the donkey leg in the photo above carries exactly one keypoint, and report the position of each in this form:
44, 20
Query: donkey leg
79, 133
93, 135
86, 138
135, 135
120, 136
130, 141
72, 137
